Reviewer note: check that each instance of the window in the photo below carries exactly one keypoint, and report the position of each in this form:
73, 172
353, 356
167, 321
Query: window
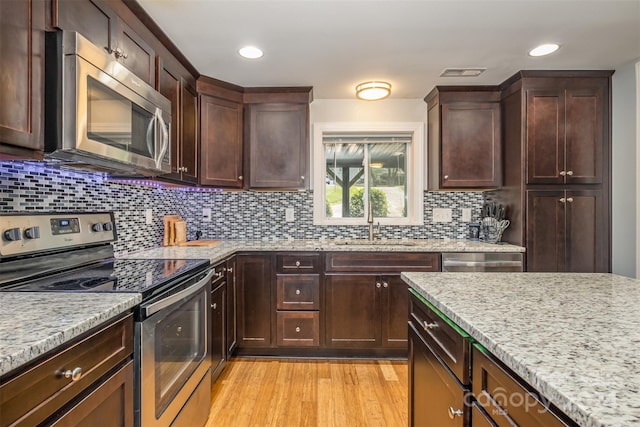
359, 166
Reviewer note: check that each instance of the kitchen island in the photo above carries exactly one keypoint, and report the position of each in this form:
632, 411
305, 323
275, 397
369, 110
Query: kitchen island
572, 337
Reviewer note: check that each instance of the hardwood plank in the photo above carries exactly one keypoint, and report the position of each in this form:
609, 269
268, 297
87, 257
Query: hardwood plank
273, 392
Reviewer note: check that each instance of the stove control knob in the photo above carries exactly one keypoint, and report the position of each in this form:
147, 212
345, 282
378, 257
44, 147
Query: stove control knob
96, 227
32, 232
12, 234
107, 226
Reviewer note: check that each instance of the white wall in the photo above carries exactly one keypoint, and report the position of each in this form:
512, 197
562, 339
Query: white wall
354, 110
624, 181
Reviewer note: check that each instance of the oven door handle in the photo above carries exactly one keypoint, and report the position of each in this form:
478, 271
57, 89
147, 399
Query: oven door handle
166, 302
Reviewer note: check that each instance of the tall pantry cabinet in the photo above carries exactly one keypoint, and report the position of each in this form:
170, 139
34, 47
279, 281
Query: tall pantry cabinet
557, 155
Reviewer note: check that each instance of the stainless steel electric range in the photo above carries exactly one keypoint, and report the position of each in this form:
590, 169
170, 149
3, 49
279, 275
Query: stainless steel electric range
72, 252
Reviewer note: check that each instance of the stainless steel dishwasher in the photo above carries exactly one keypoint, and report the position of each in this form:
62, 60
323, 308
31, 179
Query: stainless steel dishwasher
482, 261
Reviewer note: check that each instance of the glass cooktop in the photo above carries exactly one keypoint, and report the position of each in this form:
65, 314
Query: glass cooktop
117, 275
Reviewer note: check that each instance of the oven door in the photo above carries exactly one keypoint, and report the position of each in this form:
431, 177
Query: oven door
174, 354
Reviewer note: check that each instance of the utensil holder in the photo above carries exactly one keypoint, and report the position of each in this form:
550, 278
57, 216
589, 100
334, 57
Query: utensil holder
491, 229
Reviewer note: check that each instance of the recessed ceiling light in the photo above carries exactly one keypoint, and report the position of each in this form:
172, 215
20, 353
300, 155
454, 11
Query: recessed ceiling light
250, 52
544, 49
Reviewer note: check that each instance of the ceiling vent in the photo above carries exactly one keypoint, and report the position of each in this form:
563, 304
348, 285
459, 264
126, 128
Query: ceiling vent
462, 72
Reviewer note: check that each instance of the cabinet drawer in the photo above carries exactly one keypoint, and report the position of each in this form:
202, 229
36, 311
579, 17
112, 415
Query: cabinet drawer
450, 344
297, 291
298, 328
506, 397
479, 417
298, 263
41, 390
381, 262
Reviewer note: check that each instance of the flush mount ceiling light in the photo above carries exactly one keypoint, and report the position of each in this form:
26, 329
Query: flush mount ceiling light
544, 49
373, 91
250, 52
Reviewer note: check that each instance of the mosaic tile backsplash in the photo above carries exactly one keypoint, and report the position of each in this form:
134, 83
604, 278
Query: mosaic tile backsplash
33, 186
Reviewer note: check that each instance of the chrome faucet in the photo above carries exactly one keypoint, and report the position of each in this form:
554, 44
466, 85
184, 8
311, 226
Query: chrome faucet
372, 232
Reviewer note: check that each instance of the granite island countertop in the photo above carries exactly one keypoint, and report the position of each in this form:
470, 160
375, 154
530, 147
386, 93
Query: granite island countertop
574, 337
227, 248
33, 323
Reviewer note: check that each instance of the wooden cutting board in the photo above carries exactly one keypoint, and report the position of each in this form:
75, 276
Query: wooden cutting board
201, 243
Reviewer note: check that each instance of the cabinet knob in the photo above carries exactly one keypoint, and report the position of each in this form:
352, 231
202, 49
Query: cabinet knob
230, 270
297, 263
240, 177
428, 326
297, 291
569, 173
570, 199
385, 285
118, 53
297, 328
302, 177
446, 177
455, 412
563, 200
562, 173
74, 374
378, 284
214, 305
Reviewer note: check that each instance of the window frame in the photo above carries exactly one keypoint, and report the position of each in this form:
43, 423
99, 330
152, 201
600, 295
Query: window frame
415, 170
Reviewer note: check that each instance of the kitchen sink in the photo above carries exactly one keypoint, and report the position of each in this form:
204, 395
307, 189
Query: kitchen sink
374, 243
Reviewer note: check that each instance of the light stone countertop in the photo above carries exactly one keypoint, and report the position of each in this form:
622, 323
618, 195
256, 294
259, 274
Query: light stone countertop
228, 247
33, 323
574, 337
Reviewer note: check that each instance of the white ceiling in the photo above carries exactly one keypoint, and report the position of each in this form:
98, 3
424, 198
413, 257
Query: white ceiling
334, 44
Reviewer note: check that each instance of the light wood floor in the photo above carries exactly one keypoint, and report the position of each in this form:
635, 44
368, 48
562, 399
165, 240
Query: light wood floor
283, 393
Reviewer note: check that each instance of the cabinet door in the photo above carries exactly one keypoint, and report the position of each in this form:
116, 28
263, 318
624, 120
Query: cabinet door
189, 132
433, 392
545, 231
231, 306
395, 311
545, 136
471, 148
585, 136
254, 300
218, 344
278, 145
111, 404
220, 142
352, 307
136, 54
587, 241
21, 74
94, 19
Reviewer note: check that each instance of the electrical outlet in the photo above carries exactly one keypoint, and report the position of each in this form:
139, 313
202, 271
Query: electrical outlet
289, 214
466, 214
206, 214
148, 216
442, 215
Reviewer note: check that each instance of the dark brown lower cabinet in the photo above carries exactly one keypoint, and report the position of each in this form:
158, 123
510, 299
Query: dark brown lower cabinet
436, 398
395, 309
254, 302
566, 231
231, 336
111, 404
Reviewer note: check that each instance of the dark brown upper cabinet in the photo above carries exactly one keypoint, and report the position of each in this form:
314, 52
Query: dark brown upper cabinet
21, 97
464, 137
99, 23
565, 132
176, 84
277, 137
221, 148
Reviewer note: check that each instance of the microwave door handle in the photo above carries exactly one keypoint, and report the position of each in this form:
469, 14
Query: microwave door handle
151, 135
165, 138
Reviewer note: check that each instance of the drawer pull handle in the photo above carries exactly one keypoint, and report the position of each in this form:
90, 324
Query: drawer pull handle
427, 325
297, 291
297, 263
297, 328
74, 375
455, 412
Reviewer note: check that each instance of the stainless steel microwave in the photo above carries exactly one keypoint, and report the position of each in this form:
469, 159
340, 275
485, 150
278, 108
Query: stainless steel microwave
98, 114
